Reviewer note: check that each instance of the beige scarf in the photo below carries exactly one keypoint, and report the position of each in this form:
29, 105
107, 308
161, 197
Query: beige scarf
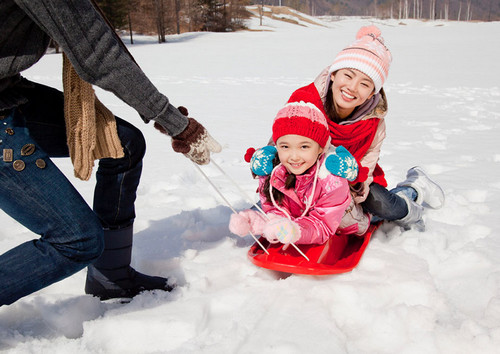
90, 127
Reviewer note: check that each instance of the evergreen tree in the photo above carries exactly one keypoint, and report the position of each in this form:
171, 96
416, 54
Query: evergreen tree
116, 12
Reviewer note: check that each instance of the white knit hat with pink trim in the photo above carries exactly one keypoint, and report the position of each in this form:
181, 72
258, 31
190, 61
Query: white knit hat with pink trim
367, 54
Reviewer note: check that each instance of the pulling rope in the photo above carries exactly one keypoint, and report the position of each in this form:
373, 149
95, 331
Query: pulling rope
228, 203
248, 199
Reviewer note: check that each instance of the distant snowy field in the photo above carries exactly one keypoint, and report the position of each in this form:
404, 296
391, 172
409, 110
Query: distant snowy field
431, 292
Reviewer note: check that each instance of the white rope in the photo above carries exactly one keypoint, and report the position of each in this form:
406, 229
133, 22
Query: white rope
249, 199
228, 203
283, 211
255, 204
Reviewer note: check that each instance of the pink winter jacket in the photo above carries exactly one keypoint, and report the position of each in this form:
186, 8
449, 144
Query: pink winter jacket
326, 207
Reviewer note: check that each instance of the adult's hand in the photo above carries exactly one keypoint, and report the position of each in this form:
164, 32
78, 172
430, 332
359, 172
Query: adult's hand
194, 142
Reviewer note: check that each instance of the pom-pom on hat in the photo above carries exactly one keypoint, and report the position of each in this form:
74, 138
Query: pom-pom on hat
367, 54
301, 118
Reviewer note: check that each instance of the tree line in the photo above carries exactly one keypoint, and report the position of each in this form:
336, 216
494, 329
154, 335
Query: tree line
420, 9
456, 10
163, 17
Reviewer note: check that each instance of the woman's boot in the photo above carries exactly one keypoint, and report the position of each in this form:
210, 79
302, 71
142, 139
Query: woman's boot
414, 216
111, 276
429, 193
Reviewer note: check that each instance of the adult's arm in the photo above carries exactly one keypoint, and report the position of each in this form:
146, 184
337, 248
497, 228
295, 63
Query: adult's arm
100, 58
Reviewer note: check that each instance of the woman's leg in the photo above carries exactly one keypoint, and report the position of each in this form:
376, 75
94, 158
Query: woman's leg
385, 204
397, 205
117, 181
35, 193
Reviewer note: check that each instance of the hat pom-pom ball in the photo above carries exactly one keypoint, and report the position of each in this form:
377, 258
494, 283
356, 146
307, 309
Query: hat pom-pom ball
249, 154
372, 31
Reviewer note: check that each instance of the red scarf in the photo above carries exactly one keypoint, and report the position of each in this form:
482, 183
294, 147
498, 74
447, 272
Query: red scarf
356, 138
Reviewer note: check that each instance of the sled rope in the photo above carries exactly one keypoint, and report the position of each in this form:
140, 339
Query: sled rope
228, 203
251, 201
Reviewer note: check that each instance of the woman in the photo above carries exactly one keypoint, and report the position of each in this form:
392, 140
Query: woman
351, 95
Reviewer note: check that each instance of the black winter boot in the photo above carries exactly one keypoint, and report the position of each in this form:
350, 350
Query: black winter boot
111, 276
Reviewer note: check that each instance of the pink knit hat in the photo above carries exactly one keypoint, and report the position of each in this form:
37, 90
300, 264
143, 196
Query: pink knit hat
367, 54
301, 118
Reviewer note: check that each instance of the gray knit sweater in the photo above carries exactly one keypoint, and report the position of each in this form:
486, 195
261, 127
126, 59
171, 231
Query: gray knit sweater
97, 54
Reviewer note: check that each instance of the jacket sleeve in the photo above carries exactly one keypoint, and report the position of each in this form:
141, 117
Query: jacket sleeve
370, 160
355, 221
324, 216
100, 58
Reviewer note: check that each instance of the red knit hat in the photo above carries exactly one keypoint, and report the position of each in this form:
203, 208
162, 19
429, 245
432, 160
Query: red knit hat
301, 118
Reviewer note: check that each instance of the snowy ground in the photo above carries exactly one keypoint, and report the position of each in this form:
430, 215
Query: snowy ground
432, 292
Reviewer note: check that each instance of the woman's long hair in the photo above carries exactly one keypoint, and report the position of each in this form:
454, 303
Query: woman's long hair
330, 110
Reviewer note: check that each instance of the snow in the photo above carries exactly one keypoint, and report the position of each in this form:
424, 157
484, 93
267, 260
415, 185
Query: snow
431, 292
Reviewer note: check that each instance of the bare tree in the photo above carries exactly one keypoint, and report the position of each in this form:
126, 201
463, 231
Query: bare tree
177, 4
160, 20
469, 10
489, 11
131, 4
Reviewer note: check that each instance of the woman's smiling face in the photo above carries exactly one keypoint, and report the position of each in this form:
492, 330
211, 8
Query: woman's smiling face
350, 88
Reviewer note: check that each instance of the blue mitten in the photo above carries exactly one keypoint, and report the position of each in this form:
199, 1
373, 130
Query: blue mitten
262, 160
341, 163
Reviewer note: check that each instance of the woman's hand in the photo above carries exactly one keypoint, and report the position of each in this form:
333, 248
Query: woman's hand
194, 142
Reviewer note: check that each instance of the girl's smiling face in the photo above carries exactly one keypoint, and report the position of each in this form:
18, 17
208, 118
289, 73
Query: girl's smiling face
297, 153
350, 88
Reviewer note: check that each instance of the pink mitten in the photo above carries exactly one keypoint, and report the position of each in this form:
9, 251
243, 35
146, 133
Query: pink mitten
247, 221
239, 225
282, 230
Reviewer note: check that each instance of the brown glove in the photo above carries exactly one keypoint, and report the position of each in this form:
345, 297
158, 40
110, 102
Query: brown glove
194, 142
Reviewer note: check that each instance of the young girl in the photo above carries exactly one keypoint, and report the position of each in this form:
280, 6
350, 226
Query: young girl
350, 93
303, 201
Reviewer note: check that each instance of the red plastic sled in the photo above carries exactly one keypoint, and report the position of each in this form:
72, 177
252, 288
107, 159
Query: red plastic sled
339, 254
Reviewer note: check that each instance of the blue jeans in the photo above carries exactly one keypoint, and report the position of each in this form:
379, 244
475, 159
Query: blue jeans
41, 198
387, 205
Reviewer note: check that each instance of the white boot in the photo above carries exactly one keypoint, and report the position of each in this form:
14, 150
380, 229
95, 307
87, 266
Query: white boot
414, 216
428, 191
